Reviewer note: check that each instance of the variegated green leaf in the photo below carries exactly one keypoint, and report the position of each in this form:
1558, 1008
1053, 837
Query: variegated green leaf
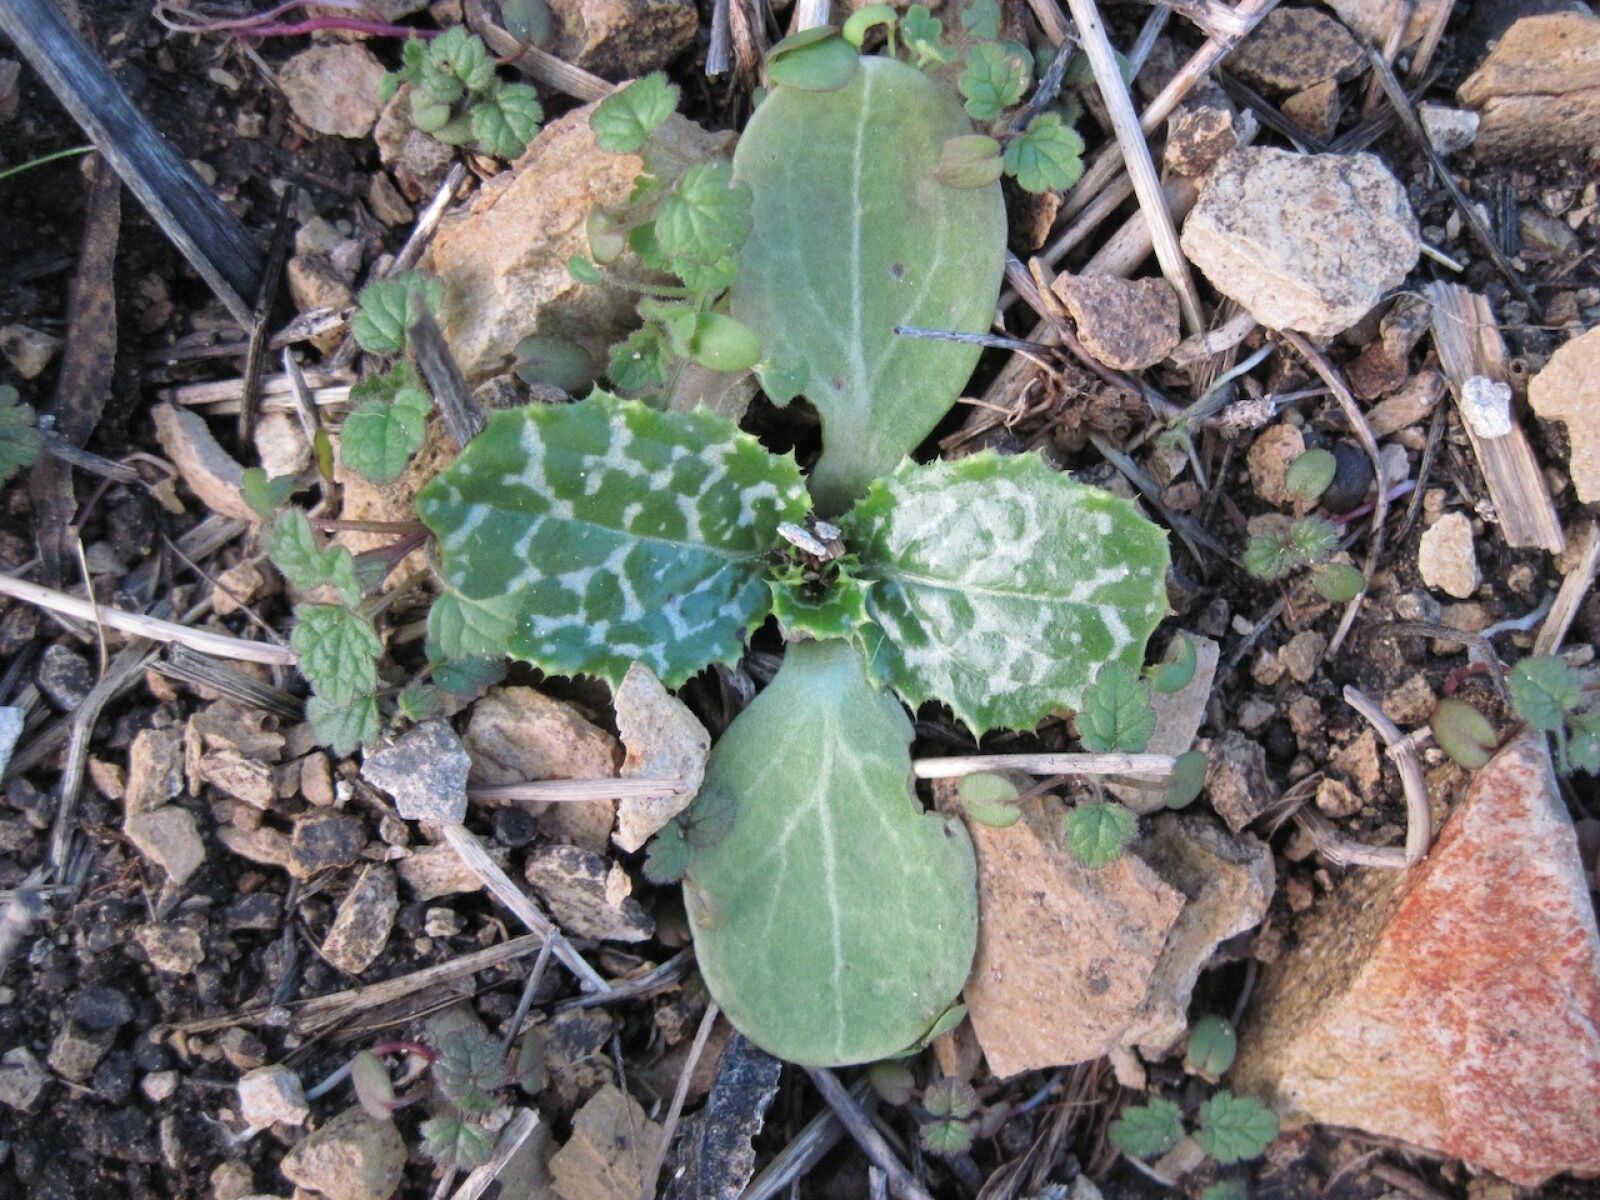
1000, 586
852, 237
606, 533
835, 921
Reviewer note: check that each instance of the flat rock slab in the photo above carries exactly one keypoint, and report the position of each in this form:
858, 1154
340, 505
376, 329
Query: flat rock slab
587, 895
1567, 389
609, 1152
1455, 1006
1538, 92
426, 773
664, 740
1128, 324
364, 921
1296, 48
352, 1157
1303, 241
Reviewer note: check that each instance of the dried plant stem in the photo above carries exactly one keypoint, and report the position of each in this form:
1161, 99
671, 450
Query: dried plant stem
1136, 157
477, 861
1342, 851
819, 1135
534, 62
561, 791
1358, 425
1155, 765
808, 14
679, 1094
901, 1182
1574, 587
1403, 753
217, 644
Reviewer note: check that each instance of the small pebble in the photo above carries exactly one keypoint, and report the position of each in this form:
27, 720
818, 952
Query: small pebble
1352, 478
159, 1085
102, 1007
513, 826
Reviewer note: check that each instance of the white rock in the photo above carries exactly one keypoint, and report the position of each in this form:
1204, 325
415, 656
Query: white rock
270, 1096
1486, 406
334, 88
1446, 559
21, 1079
159, 1085
1448, 129
1303, 241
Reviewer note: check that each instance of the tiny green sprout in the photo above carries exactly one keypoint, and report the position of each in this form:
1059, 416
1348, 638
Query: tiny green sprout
813, 60
1544, 690
1212, 1045
981, 19
1227, 1189
1338, 582
1146, 1130
1098, 833
387, 425
19, 439
923, 35
470, 1068
994, 80
864, 20
667, 856
1583, 748
582, 270
374, 1085
1235, 1127
1463, 733
456, 96
1188, 779
265, 495
1116, 712
1310, 474
624, 120
450, 1141
1174, 674
946, 1138
948, 1020
1046, 156
950, 1098
893, 1081
388, 306
969, 161
1307, 542
989, 799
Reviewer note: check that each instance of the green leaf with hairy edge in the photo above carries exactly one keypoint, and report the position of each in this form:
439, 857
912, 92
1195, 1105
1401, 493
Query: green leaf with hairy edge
852, 238
450, 1141
306, 561
950, 1098
1235, 1127
505, 122
1098, 833
1047, 156
624, 120
1269, 556
265, 495
386, 427
388, 306
706, 217
608, 532
981, 18
1544, 690
1116, 713
344, 728
338, 652
994, 80
1000, 586
19, 439
1146, 1130
946, 1138
923, 34
836, 920
640, 362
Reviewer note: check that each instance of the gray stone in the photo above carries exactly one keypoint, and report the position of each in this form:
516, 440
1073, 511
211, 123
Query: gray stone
1448, 129
1237, 780
76, 1051
271, 1096
426, 773
170, 838
334, 88
21, 1079
361, 928
1296, 48
64, 676
11, 720
1303, 241
352, 1157
587, 896
322, 840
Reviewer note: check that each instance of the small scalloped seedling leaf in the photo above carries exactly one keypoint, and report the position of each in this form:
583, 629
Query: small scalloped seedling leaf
1098, 832
1212, 1046
836, 920
388, 306
450, 1141
950, 1098
1146, 1130
813, 60
605, 532
19, 438
1000, 586
344, 728
852, 237
338, 652
624, 120
504, 123
946, 1138
306, 561
264, 494
1047, 156
1235, 1127
387, 426
1116, 712
995, 78
1544, 690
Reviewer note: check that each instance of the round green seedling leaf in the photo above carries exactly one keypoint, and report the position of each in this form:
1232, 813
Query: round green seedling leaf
863, 20
813, 60
1188, 779
1463, 733
1212, 1045
1001, 586
1310, 474
893, 1081
374, 1086
852, 237
989, 799
723, 344
1174, 674
969, 161
836, 920
1339, 582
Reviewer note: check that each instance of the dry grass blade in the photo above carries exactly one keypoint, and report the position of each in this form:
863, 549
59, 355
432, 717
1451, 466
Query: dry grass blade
953, 767
901, 1182
534, 62
570, 790
1403, 753
1342, 851
517, 1131
1574, 587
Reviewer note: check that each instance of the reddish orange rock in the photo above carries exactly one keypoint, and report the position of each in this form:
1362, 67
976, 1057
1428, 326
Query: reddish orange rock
1455, 1006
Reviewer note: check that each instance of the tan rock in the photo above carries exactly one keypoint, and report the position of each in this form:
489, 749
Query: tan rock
622, 39
209, 470
1337, 800
437, 870
1296, 48
169, 838
1538, 92
1198, 135
1303, 241
503, 261
240, 776
586, 895
609, 1152
1128, 324
1237, 781
281, 445
517, 734
1055, 938
1446, 558
664, 740
361, 927
155, 770
1358, 760
418, 161
1412, 702
352, 1157
241, 584
1227, 884
1372, 19
1268, 459
1568, 390
1316, 109
334, 88
1456, 1005
1407, 406
176, 949
313, 284
1301, 655
27, 349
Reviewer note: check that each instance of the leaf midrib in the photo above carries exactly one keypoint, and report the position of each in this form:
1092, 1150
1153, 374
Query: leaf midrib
706, 547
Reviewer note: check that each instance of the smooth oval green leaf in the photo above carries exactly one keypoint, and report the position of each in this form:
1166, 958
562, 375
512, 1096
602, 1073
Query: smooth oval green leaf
723, 344
970, 160
1175, 674
1339, 582
863, 20
614, 533
1188, 779
1463, 732
813, 60
837, 919
989, 799
851, 237
1212, 1046
1310, 474
1000, 586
